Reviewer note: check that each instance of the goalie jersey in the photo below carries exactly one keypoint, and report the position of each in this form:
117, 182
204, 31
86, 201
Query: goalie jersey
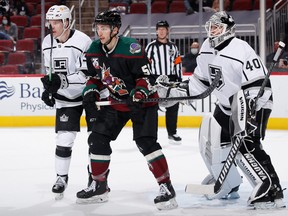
68, 58
241, 69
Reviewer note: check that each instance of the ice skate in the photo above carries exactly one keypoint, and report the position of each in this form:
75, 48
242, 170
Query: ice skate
174, 139
166, 198
60, 186
272, 200
233, 194
96, 192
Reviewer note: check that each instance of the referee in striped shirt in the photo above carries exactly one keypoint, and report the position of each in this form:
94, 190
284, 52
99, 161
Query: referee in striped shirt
165, 59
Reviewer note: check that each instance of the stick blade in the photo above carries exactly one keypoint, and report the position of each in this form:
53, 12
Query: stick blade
200, 189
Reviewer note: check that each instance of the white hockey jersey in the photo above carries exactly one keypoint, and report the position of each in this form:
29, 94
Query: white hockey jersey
68, 58
241, 69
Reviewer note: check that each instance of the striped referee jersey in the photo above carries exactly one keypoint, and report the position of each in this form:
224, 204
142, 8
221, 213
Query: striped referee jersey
164, 58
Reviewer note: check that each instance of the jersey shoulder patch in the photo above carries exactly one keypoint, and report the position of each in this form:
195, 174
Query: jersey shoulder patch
129, 47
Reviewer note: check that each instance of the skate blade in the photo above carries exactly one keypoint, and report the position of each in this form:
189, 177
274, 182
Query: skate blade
171, 204
95, 199
277, 204
173, 142
59, 196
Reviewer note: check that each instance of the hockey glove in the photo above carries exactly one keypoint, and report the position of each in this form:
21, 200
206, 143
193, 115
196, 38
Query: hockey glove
251, 117
166, 89
47, 100
90, 96
136, 95
58, 81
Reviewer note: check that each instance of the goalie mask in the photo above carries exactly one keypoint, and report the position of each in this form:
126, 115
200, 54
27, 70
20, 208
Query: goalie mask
220, 27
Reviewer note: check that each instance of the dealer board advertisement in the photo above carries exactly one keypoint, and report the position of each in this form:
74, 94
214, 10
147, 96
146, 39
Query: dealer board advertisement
21, 96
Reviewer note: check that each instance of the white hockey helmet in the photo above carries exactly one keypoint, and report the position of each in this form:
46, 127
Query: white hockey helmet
59, 12
220, 27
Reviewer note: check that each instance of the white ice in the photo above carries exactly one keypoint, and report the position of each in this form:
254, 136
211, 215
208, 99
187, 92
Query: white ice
27, 174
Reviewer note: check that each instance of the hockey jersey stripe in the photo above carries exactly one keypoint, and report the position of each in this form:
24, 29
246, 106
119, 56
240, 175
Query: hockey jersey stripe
229, 57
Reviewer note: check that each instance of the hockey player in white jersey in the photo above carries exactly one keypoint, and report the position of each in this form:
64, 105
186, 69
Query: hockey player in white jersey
64, 60
242, 71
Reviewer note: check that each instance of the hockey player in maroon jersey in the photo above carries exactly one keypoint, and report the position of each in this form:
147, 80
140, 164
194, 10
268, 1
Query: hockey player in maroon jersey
120, 65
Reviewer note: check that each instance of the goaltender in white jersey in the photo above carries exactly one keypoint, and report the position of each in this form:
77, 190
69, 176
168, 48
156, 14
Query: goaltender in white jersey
240, 67
242, 73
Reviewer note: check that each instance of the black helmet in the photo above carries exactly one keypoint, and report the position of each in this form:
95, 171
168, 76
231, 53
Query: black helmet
111, 18
162, 23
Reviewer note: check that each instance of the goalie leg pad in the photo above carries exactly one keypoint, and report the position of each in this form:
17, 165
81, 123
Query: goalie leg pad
214, 155
254, 172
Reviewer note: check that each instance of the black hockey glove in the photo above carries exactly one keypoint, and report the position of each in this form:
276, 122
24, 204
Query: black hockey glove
251, 117
90, 96
47, 100
57, 81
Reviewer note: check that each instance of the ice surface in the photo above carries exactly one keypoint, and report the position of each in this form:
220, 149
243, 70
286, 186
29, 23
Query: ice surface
27, 174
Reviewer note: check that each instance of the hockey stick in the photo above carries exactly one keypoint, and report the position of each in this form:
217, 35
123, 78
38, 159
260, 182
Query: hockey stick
237, 139
204, 94
271, 66
50, 65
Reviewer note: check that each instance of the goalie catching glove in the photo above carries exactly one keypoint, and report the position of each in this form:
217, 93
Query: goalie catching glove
58, 81
166, 89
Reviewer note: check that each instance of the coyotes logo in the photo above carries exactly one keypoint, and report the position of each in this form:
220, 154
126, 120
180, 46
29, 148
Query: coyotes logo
114, 84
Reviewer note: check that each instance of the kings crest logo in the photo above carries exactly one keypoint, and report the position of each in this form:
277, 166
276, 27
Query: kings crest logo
135, 48
5, 90
95, 63
214, 70
64, 118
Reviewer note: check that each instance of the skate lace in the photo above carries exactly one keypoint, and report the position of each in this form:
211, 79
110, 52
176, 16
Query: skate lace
60, 181
92, 187
164, 190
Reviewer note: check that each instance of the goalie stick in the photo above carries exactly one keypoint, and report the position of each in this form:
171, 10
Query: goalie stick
237, 139
204, 94
271, 66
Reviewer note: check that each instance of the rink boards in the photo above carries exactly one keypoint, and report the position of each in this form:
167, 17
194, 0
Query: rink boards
21, 104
